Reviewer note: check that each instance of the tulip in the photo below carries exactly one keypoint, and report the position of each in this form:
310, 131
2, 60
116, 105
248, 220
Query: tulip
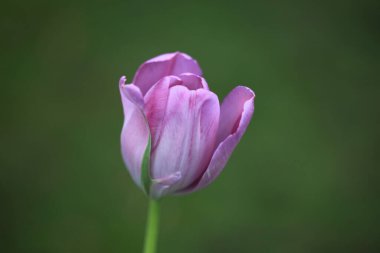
176, 136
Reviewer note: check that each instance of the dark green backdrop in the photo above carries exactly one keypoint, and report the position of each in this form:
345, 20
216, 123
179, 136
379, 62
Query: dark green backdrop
303, 179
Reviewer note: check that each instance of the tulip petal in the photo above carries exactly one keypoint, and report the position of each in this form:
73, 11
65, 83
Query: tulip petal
155, 105
135, 132
235, 115
193, 82
157, 96
188, 135
153, 70
232, 110
132, 92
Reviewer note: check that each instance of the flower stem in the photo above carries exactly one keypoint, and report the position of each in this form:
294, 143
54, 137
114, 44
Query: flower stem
151, 227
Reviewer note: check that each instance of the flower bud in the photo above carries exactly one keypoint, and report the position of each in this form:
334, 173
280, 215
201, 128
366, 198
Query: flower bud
176, 136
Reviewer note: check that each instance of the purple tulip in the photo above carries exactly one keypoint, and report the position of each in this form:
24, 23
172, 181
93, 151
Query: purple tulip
176, 137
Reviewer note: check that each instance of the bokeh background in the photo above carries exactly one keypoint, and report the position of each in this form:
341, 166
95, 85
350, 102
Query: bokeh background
303, 179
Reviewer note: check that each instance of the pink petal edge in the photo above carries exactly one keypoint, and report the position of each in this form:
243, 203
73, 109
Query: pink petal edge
154, 69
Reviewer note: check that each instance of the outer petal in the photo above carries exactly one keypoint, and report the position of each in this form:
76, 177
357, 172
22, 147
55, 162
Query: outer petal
188, 136
135, 133
163, 65
232, 109
235, 115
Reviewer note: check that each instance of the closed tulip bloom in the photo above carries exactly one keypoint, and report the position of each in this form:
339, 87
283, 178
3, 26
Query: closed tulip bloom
176, 136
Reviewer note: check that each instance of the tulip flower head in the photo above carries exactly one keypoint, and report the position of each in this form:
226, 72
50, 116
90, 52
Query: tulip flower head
176, 136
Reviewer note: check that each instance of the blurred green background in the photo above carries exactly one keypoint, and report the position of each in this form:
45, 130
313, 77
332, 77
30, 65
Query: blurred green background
303, 179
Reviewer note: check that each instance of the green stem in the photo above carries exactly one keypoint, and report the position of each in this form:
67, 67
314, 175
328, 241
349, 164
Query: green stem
151, 227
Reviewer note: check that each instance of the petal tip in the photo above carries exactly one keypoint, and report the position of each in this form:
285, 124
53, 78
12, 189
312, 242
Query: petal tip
122, 81
164, 57
186, 56
250, 91
194, 81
